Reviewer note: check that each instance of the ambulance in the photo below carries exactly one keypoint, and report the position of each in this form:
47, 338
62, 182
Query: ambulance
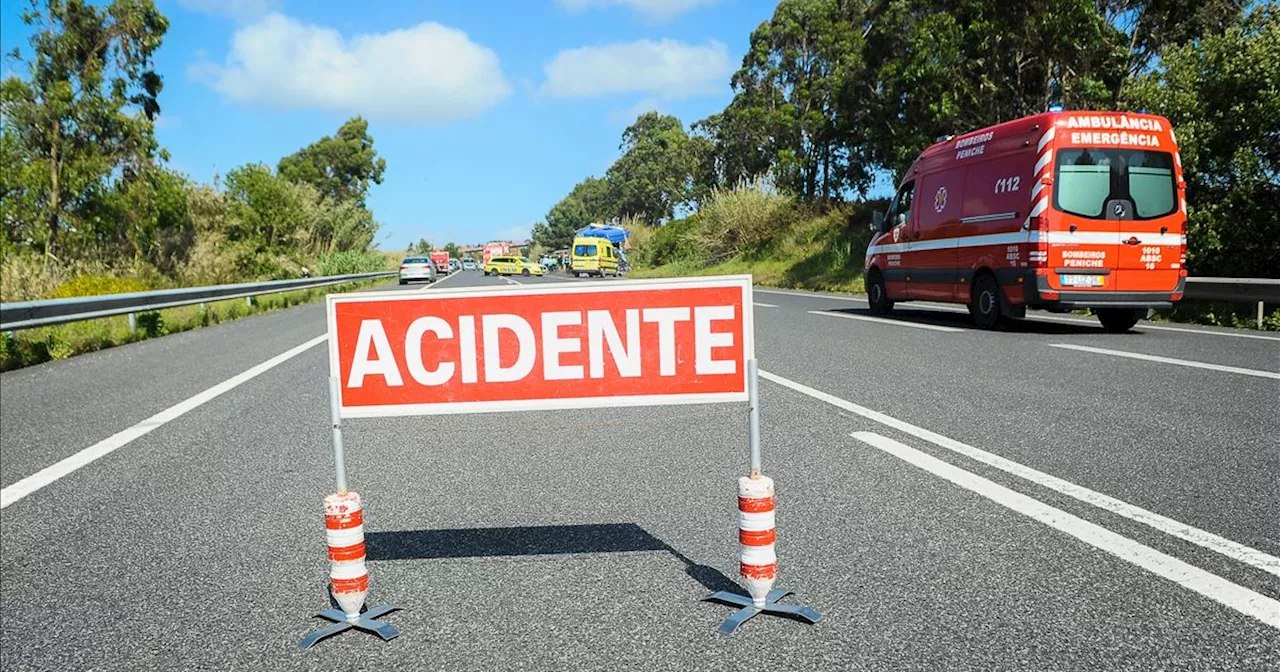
1059, 211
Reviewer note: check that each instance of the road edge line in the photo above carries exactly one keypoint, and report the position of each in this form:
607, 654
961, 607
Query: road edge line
1204, 539
1207, 584
68, 465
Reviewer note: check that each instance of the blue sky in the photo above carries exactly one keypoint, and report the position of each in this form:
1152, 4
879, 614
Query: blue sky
487, 112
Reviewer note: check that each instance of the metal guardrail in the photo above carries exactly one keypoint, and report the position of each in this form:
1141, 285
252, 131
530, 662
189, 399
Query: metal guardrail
26, 314
1262, 290
46, 312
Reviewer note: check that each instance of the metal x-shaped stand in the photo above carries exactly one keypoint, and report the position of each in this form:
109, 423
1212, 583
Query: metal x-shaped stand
340, 623
749, 609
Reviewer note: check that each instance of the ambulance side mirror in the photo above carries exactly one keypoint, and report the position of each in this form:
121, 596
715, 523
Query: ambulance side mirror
877, 222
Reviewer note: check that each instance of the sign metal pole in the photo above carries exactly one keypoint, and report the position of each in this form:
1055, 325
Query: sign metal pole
339, 452
341, 621
749, 607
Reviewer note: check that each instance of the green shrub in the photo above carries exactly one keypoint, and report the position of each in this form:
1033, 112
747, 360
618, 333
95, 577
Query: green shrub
746, 219
151, 323
665, 244
97, 285
345, 263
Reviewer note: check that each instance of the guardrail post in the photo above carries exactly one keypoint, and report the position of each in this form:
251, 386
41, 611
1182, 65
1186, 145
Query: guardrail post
248, 301
133, 321
1259, 316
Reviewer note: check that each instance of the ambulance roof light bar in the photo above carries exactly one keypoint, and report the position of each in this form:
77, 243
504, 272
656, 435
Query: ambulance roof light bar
1055, 108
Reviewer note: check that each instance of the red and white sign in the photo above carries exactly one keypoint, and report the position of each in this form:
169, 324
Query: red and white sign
636, 343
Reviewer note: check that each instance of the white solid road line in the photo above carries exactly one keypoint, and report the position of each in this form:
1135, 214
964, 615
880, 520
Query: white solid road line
1047, 318
881, 320
1166, 566
763, 305
1208, 540
1169, 360
106, 446
433, 283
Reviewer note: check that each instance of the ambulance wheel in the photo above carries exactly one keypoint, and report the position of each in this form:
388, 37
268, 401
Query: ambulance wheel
525, 272
984, 303
878, 296
1118, 320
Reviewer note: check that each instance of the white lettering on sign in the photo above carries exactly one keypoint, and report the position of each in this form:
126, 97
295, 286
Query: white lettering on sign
494, 371
373, 337
973, 145
1123, 139
413, 350
601, 330
374, 356
705, 340
553, 345
666, 319
1119, 122
1084, 258
1007, 184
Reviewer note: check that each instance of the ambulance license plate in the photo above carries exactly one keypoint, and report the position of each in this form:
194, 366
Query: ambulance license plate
1082, 280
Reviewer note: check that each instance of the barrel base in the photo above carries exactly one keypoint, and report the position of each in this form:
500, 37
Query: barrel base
340, 623
748, 610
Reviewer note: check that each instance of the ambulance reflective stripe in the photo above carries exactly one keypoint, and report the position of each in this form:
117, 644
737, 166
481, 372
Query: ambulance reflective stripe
1046, 138
1043, 161
758, 563
1027, 237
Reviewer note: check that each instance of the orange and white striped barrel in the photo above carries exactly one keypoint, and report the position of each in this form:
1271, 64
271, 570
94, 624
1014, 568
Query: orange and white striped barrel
759, 563
344, 533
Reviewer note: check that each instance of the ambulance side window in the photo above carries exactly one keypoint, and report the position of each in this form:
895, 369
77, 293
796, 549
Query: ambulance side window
900, 209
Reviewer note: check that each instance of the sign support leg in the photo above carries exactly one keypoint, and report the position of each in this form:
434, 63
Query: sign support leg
341, 621
750, 607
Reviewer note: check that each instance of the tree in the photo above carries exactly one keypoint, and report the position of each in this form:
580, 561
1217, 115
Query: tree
591, 200
423, 246
86, 109
1222, 96
454, 251
653, 175
341, 167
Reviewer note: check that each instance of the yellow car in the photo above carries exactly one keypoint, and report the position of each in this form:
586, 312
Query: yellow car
513, 266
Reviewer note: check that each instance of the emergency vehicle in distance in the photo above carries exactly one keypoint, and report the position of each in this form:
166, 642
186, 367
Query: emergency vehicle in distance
494, 249
1059, 210
441, 259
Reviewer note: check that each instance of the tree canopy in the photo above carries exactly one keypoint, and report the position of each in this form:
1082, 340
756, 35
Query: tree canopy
341, 167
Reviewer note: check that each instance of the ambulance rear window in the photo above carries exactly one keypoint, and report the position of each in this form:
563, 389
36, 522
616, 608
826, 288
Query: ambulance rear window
585, 250
1086, 178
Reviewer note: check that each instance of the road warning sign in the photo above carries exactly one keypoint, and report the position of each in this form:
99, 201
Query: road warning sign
627, 343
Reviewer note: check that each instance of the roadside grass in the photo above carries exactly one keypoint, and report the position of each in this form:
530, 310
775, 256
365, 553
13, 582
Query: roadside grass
42, 344
819, 252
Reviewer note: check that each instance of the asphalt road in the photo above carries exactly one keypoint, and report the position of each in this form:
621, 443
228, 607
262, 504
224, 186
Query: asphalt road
948, 499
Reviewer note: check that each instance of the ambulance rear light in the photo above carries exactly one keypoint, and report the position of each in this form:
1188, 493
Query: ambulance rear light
1038, 256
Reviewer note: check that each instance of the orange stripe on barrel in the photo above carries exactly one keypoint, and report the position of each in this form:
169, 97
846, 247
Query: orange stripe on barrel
756, 537
344, 521
759, 571
358, 584
755, 504
352, 552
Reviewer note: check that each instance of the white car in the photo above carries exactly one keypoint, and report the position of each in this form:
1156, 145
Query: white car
417, 268
469, 265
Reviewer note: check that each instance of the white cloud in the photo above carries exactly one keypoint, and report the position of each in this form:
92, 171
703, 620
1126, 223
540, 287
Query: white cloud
426, 74
243, 10
664, 68
656, 10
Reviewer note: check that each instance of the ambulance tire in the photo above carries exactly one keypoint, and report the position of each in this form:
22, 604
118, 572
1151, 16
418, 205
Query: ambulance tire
1118, 320
525, 272
984, 302
877, 295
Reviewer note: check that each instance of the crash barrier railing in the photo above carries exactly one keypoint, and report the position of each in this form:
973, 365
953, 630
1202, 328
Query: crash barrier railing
1244, 290
46, 312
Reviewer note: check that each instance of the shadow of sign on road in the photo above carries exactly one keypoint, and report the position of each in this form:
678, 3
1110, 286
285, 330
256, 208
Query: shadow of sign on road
486, 542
